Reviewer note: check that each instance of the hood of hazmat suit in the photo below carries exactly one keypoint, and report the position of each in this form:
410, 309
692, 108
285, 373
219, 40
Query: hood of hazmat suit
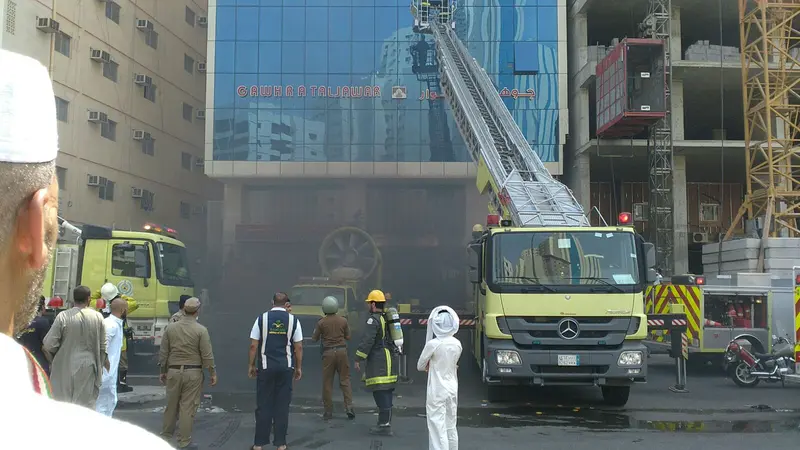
440, 358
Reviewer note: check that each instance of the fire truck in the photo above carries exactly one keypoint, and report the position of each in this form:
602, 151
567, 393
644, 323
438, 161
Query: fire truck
720, 308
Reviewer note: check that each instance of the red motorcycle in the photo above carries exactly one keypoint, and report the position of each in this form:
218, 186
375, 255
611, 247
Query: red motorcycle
747, 368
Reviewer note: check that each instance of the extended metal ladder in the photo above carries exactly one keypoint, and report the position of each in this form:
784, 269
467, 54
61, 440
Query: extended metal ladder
521, 184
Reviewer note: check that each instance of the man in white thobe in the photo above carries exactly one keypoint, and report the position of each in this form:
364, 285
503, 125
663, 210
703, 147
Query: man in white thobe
440, 359
107, 400
28, 234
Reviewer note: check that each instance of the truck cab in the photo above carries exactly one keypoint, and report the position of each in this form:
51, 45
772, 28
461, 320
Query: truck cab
560, 306
306, 298
150, 266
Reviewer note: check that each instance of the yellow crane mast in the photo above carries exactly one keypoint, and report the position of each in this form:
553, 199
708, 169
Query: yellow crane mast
770, 39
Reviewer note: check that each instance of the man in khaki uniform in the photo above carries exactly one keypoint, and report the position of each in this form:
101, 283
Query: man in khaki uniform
334, 331
179, 315
185, 351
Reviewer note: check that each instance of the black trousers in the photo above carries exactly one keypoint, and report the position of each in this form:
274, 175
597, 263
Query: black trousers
383, 398
273, 396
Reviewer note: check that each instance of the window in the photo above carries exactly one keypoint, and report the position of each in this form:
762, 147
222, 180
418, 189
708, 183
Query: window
553, 260
313, 295
641, 212
190, 17
11, 17
106, 190
186, 161
62, 109
61, 176
130, 260
151, 38
188, 63
187, 112
110, 70
148, 200
149, 146
62, 43
112, 11
149, 92
709, 212
186, 210
109, 130
173, 267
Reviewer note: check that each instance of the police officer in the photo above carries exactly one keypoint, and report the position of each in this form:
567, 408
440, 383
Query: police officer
276, 357
185, 352
382, 358
334, 331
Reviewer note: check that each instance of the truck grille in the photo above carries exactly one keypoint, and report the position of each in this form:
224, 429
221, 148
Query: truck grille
543, 332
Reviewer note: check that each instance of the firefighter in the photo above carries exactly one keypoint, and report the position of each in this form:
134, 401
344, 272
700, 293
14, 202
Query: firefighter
382, 361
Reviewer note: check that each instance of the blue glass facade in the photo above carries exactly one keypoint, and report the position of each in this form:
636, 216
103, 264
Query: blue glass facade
335, 80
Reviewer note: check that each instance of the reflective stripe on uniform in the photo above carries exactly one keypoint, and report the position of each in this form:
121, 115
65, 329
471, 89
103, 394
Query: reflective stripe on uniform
361, 354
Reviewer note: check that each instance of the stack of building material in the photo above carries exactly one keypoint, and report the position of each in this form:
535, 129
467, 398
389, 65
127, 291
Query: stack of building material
703, 51
741, 255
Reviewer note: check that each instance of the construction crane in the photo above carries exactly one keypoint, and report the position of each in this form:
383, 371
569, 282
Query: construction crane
520, 188
770, 42
425, 67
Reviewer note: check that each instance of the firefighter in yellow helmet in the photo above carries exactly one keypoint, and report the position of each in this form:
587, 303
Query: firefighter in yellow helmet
382, 361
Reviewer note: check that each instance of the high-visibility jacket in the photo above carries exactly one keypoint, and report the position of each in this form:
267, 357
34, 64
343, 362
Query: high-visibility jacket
377, 350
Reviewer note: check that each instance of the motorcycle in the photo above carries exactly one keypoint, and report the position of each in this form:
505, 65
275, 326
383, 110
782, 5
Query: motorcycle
747, 368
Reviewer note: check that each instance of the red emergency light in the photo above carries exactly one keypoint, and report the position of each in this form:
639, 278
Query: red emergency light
624, 218
166, 231
493, 220
55, 303
797, 279
700, 281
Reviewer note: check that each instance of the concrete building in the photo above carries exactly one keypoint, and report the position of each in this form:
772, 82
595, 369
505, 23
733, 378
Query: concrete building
707, 121
393, 162
130, 92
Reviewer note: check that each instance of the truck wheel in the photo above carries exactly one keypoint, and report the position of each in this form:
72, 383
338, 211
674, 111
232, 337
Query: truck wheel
616, 395
491, 393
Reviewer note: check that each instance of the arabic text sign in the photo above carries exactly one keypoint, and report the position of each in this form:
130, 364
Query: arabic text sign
309, 91
530, 94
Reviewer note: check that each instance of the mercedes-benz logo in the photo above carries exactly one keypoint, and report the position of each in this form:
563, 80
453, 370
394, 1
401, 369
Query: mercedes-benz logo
568, 328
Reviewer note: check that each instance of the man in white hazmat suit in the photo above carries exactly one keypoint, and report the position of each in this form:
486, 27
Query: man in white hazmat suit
107, 400
440, 359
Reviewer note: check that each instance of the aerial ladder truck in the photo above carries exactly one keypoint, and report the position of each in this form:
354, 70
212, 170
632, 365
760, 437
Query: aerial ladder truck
557, 301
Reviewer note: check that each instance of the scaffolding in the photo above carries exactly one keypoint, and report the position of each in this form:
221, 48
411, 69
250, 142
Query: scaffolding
770, 41
657, 25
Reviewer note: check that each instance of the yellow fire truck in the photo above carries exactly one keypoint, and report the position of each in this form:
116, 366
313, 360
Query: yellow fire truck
149, 266
722, 308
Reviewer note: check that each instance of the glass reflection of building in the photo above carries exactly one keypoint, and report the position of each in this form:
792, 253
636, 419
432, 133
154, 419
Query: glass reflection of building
359, 43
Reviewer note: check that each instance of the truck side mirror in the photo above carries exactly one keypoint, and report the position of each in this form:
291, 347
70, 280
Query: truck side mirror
652, 276
474, 254
650, 255
474, 275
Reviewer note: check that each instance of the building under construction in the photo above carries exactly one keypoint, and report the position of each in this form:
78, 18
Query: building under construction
664, 125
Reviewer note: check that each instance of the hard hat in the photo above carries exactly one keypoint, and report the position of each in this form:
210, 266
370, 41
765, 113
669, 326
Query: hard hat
330, 305
109, 292
376, 296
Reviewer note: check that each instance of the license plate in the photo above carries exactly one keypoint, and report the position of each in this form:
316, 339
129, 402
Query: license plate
569, 360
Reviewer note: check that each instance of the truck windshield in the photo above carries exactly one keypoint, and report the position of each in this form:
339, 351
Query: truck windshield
564, 258
173, 267
313, 295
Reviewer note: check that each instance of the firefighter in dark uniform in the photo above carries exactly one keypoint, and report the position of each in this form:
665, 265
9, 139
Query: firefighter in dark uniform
382, 362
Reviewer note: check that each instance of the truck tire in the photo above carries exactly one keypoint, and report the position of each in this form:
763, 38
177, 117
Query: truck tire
616, 395
491, 393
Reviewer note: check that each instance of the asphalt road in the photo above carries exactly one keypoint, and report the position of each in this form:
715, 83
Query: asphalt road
714, 414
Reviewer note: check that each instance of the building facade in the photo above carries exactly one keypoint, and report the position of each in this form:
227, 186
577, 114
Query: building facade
326, 113
129, 84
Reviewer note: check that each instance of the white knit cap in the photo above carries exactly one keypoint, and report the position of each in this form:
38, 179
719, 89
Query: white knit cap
28, 127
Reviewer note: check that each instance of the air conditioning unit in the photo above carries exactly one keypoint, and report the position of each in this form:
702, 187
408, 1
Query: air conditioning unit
144, 24
100, 56
93, 180
139, 135
201, 67
136, 192
640, 212
47, 24
198, 210
142, 79
200, 162
201, 114
700, 238
97, 117
202, 21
